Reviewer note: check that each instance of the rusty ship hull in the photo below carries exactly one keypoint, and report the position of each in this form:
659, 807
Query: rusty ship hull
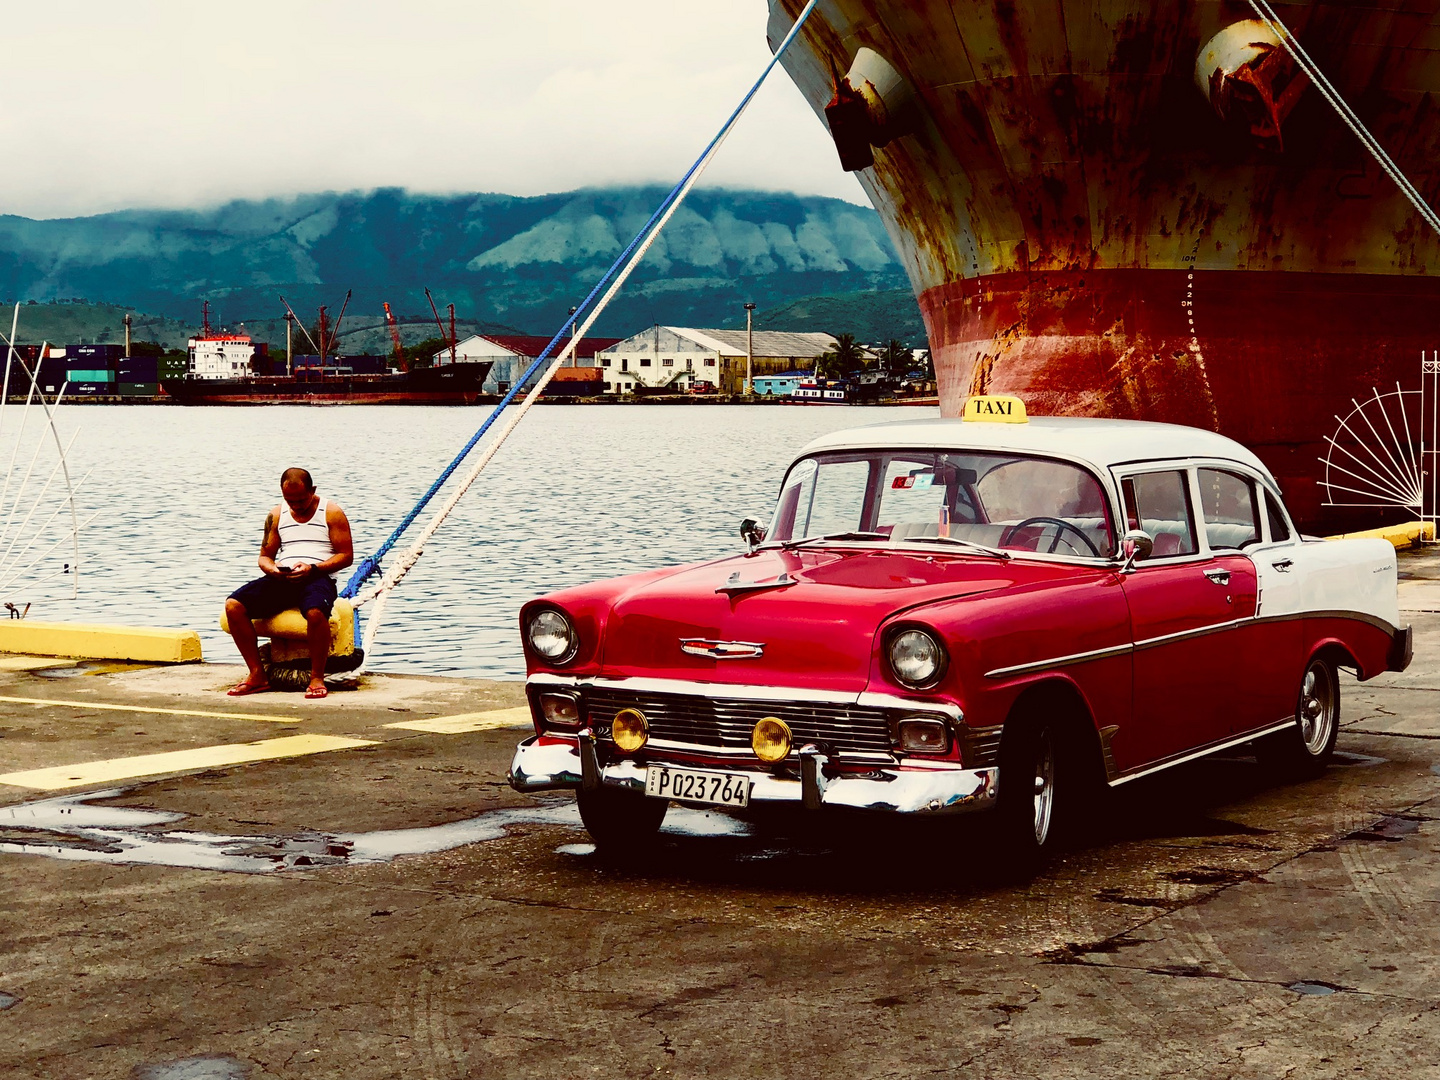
1143, 209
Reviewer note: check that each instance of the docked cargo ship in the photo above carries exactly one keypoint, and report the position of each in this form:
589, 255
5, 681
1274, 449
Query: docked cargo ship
448, 384
1142, 209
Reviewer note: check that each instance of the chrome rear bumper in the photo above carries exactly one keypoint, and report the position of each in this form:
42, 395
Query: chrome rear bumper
573, 763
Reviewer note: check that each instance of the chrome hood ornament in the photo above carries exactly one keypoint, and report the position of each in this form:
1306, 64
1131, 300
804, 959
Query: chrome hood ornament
723, 650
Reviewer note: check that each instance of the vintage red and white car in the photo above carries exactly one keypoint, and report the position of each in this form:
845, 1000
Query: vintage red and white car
959, 615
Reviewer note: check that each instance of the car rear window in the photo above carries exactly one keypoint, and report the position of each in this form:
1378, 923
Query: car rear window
1227, 503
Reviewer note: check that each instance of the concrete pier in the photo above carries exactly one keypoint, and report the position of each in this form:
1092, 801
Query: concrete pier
374, 902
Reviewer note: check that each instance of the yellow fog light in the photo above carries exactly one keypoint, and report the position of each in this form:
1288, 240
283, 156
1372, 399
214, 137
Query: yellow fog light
771, 740
629, 730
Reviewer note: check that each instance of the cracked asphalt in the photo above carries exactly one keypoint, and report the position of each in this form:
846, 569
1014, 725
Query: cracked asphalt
1217, 924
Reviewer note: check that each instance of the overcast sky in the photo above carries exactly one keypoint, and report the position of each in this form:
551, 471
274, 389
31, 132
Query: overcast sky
108, 105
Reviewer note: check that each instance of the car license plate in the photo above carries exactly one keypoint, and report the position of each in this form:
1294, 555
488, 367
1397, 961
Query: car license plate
686, 785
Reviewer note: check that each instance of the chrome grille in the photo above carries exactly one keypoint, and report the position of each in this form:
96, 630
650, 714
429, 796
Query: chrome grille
727, 722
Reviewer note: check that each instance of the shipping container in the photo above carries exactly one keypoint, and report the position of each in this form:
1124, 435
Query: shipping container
89, 376
138, 389
105, 355
138, 369
90, 389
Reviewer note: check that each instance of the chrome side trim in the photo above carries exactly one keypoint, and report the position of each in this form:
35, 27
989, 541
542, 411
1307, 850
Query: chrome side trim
1061, 661
1214, 748
1199, 631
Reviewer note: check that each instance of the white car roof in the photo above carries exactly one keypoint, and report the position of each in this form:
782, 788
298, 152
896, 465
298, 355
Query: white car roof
1098, 442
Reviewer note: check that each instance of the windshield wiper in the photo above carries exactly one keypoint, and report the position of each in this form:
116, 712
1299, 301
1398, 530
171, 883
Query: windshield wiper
789, 544
983, 549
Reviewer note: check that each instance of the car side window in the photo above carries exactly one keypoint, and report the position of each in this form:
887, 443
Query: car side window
1227, 503
1279, 528
1159, 503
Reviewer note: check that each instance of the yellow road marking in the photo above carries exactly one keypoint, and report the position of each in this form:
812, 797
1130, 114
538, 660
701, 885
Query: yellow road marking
475, 721
204, 757
32, 663
150, 709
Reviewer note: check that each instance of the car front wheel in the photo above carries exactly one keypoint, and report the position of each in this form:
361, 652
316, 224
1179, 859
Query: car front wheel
616, 818
1306, 748
1032, 793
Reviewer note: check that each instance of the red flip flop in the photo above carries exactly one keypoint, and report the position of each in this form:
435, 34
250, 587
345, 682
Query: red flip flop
314, 693
245, 689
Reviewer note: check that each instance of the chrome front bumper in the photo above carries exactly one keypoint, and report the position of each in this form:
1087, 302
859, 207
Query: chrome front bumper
573, 763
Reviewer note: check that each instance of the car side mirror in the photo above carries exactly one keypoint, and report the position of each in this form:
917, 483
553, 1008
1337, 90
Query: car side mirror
753, 533
1135, 546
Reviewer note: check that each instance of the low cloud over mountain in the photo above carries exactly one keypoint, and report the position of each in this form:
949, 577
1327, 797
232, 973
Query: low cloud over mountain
503, 259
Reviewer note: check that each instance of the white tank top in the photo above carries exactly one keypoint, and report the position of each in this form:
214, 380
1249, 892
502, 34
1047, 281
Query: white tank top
304, 541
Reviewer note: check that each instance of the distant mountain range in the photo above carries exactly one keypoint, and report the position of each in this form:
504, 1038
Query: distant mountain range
504, 261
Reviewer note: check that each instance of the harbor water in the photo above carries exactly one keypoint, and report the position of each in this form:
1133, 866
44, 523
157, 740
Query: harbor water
577, 493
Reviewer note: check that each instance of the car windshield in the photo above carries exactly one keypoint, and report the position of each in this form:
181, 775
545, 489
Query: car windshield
1007, 502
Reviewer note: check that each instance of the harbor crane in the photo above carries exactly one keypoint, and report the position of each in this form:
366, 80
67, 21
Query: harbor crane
448, 338
394, 325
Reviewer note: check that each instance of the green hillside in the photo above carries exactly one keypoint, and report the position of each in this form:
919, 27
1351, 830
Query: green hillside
502, 260
79, 322
881, 316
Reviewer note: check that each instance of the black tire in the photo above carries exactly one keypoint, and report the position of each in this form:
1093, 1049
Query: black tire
1305, 749
1034, 794
617, 819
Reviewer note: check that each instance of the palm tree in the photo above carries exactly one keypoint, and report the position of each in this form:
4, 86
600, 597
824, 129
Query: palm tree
896, 357
843, 358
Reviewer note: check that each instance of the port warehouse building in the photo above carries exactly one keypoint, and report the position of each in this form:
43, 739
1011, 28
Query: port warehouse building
511, 354
678, 357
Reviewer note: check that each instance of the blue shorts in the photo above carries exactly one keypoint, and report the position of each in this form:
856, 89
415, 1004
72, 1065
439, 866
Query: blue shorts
266, 597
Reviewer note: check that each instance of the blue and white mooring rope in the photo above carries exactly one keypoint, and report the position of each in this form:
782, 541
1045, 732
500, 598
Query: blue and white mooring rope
610, 283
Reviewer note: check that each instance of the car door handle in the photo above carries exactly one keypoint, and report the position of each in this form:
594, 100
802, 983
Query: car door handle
1219, 577
1283, 565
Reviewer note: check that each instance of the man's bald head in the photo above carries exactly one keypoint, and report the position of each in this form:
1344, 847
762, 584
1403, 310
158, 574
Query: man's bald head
297, 476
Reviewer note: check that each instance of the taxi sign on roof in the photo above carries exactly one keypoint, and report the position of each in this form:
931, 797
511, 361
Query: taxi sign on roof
995, 410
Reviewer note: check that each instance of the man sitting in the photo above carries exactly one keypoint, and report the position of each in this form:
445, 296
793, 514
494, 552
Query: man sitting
307, 541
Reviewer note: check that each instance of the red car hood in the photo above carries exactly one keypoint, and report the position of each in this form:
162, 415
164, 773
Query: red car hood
817, 633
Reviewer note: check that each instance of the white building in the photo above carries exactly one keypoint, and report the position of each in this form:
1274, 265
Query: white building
222, 356
511, 355
678, 357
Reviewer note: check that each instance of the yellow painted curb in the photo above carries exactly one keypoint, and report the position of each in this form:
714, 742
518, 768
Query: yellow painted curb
1402, 536
85, 641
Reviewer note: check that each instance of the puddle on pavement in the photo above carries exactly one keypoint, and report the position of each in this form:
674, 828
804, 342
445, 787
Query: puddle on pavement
1391, 829
1346, 757
8, 1001
681, 821
88, 667
70, 827
195, 1068
1314, 989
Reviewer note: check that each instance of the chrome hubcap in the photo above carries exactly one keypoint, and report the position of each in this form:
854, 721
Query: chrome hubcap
1316, 712
1044, 787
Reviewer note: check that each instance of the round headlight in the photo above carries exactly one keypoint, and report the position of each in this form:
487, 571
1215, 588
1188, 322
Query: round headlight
771, 740
552, 636
629, 730
916, 658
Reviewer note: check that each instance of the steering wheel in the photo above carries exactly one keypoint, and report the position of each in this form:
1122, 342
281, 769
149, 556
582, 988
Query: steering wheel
1059, 532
